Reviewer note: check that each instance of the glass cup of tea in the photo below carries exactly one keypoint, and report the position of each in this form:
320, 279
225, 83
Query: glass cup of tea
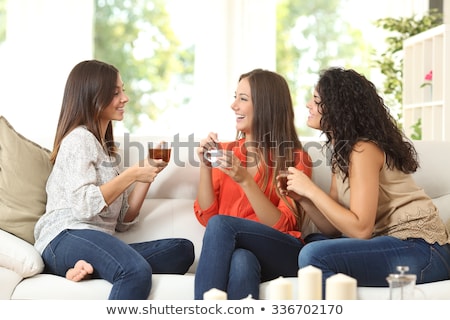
161, 150
282, 178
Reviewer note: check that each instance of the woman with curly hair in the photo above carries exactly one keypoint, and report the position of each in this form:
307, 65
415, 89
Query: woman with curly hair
375, 217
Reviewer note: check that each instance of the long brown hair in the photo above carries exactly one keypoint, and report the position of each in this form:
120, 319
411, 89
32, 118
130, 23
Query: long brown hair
89, 89
273, 127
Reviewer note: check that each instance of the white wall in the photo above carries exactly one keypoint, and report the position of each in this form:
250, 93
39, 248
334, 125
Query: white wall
45, 39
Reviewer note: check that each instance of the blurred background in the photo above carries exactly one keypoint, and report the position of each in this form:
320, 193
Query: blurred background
180, 60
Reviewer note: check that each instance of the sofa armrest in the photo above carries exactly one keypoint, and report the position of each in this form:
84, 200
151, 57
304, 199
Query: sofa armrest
19, 256
9, 281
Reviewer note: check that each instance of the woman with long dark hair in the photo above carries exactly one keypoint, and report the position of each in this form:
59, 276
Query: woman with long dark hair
88, 198
375, 217
252, 229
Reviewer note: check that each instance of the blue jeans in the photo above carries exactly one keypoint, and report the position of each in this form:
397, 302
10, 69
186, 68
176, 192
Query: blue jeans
371, 261
128, 267
237, 254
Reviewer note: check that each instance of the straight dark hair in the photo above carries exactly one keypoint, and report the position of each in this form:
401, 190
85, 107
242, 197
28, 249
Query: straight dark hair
273, 127
89, 90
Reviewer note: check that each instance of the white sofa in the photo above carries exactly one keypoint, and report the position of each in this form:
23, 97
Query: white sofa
168, 212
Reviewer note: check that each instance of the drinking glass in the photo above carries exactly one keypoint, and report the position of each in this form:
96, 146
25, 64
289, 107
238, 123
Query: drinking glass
161, 150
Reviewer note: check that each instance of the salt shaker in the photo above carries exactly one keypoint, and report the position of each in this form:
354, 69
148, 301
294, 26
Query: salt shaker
401, 285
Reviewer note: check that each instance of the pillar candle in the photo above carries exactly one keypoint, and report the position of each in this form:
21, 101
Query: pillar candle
215, 294
309, 283
340, 287
280, 289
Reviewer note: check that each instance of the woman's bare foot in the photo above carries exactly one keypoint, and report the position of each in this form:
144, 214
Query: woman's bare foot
82, 270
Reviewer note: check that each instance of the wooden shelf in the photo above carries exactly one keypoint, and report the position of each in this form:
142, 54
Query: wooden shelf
423, 53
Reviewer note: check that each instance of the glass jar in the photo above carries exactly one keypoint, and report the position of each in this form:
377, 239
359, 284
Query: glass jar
401, 285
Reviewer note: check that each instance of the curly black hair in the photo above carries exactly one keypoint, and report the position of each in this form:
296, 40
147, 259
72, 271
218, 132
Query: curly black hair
352, 111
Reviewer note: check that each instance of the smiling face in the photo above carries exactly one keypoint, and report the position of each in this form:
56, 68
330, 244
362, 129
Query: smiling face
314, 115
243, 107
116, 109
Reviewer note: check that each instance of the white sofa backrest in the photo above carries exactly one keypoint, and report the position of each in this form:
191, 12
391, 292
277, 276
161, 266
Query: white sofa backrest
434, 174
180, 179
321, 172
171, 183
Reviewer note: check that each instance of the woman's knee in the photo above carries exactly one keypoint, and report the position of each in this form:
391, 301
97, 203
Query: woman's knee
215, 222
139, 269
186, 254
307, 255
244, 263
218, 226
244, 259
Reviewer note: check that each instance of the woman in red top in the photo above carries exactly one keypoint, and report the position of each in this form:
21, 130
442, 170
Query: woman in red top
252, 230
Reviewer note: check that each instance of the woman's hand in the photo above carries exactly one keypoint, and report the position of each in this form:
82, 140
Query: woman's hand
148, 169
231, 166
298, 184
209, 143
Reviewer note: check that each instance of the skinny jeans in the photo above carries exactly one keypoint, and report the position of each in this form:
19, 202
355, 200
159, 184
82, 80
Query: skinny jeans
238, 254
128, 267
371, 261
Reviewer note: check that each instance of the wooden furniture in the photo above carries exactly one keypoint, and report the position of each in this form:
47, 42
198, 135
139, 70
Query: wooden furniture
427, 100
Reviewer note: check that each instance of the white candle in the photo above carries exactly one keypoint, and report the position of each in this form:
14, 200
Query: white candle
215, 294
309, 283
340, 287
280, 289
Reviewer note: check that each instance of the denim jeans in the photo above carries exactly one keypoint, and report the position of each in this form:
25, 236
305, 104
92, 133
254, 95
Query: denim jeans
371, 261
237, 254
128, 267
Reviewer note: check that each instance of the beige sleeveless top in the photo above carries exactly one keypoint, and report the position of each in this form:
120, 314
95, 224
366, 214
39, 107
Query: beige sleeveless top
404, 209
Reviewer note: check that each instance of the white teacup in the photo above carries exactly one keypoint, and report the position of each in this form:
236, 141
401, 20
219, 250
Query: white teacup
212, 156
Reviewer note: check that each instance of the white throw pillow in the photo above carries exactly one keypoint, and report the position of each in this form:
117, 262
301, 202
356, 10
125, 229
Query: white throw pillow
19, 255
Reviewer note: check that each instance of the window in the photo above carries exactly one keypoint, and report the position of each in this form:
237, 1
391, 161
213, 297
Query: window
211, 51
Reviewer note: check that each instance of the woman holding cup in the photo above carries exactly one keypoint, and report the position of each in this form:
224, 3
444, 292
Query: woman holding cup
252, 230
89, 198
374, 217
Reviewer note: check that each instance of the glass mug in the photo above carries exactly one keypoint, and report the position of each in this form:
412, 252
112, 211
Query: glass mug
160, 150
282, 177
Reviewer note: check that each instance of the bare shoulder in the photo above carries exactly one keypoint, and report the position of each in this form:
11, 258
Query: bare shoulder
367, 151
370, 146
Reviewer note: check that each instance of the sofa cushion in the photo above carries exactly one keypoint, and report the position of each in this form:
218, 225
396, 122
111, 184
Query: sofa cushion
19, 256
24, 169
433, 175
